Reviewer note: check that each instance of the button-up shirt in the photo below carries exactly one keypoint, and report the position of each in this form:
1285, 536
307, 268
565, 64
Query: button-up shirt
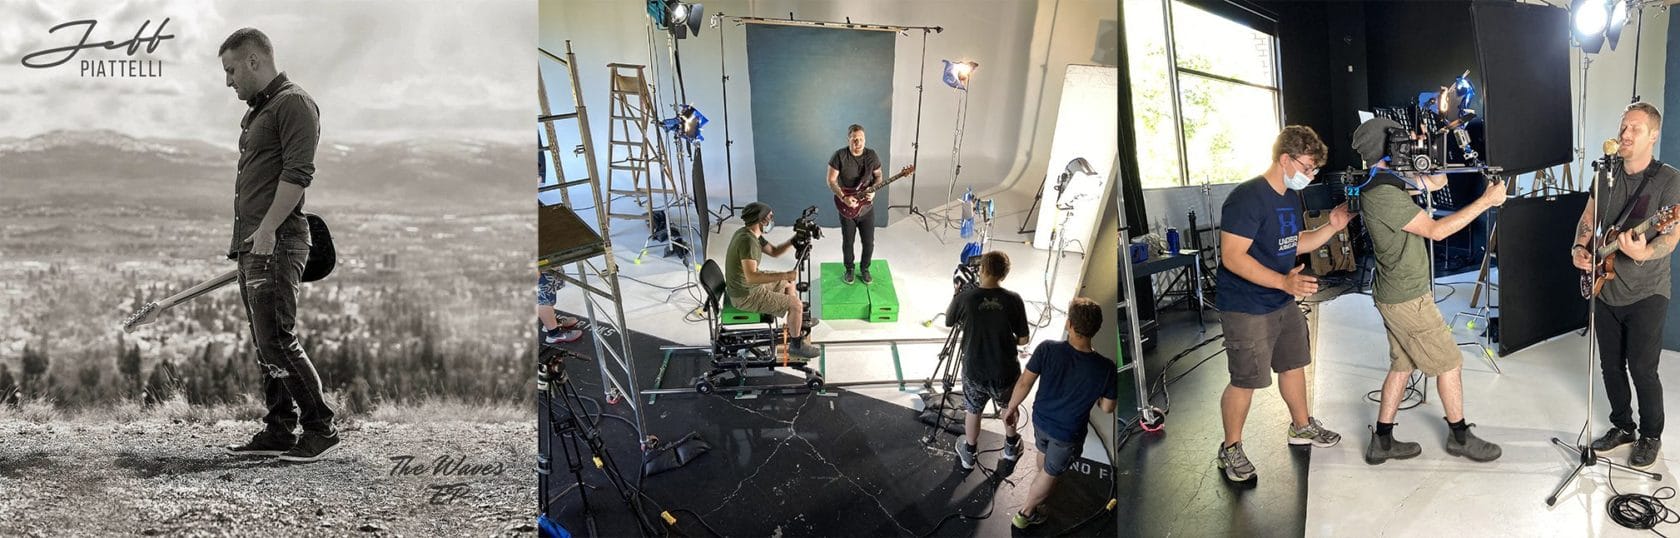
276, 143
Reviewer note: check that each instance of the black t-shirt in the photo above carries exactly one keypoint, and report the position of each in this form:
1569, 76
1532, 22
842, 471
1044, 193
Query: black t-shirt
1274, 222
855, 170
993, 318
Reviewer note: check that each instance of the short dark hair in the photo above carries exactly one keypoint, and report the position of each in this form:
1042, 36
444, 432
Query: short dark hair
853, 129
1649, 110
995, 263
1085, 316
1300, 141
242, 36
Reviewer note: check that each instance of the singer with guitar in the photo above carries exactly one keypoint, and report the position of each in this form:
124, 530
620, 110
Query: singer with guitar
851, 170
1633, 304
271, 241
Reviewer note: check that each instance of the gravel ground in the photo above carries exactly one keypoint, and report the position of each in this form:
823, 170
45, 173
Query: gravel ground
164, 478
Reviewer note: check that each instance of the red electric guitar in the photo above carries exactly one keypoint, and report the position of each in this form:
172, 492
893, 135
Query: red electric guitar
863, 204
1592, 282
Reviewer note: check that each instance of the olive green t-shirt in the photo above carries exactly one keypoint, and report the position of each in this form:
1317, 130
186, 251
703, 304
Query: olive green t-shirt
742, 246
1402, 257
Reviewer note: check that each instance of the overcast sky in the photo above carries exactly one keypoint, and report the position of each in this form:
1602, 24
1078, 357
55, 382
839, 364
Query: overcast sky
380, 70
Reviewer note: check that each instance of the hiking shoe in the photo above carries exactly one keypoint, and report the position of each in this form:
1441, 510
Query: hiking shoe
803, 349
1386, 447
1022, 521
1614, 438
1235, 463
264, 443
864, 276
964, 455
847, 278
311, 447
1473, 447
1313, 434
1644, 452
1012, 452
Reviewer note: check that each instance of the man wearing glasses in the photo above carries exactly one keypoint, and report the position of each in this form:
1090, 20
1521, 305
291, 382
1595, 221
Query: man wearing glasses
1418, 338
1258, 283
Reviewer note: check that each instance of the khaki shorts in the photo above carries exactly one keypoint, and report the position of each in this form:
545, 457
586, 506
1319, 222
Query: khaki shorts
1418, 338
765, 299
1257, 345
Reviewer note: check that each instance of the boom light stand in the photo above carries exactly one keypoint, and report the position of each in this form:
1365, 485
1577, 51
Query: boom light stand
1058, 235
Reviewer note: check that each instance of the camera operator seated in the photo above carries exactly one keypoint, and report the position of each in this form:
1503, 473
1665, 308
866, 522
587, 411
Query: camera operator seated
752, 289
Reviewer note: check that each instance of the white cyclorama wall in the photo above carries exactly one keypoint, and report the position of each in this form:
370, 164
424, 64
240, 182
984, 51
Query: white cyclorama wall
1022, 47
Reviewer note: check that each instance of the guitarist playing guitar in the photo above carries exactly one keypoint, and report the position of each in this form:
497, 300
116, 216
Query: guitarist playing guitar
1632, 306
854, 174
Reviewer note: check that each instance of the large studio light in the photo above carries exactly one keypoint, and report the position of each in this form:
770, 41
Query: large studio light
680, 18
958, 73
1592, 21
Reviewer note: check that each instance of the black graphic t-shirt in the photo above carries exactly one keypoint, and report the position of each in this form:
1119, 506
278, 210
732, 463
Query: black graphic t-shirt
992, 318
1274, 222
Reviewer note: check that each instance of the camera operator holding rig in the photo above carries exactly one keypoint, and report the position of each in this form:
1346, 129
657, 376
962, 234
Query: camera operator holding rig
1418, 337
754, 290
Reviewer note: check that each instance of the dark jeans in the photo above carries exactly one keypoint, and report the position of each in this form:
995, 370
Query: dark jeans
863, 225
1629, 342
268, 285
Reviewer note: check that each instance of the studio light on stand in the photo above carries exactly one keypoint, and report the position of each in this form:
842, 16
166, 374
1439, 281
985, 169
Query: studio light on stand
957, 76
1058, 233
680, 18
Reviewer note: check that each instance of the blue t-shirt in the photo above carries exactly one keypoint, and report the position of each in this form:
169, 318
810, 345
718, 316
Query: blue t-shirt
1069, 383
1274, 222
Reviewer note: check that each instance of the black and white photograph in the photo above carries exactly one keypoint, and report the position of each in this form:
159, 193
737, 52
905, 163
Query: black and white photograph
261, 268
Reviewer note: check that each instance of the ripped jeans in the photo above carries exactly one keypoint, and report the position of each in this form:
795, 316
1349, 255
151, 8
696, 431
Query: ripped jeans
268, 286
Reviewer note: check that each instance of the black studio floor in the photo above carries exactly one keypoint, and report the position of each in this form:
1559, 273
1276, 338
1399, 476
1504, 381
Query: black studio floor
1169, 484
842, 464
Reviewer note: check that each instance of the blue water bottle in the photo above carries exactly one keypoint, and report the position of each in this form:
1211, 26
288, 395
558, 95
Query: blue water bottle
1172, 241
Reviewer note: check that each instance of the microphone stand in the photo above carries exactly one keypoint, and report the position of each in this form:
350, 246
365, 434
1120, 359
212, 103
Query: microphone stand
1586, 456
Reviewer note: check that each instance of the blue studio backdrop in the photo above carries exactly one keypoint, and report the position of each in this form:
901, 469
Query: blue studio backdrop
808, 85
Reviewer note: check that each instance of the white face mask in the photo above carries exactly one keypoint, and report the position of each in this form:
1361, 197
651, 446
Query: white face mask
1297, 180
768, 224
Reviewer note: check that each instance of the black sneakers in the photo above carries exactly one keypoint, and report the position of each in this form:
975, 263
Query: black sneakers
847, 278
264, 443
311, 447
864, 276
1614, 438
1644, 452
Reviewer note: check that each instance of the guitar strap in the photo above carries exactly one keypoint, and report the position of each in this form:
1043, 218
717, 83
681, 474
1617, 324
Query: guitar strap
1644, 179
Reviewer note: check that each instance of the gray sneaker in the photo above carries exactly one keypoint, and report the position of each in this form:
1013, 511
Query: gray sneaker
1387, 448
964, 456
1313, 434
1012, 452
1473, 447
1235, 463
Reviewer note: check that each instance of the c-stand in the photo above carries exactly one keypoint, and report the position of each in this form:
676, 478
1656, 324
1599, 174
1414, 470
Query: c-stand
552, 381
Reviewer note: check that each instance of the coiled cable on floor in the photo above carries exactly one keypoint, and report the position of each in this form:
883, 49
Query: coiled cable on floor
1637, 510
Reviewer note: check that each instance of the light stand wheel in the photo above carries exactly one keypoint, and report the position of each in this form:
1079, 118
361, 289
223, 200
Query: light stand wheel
704, 387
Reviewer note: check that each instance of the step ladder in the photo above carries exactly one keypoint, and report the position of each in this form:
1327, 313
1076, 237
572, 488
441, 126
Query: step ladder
1131, 359
630, 150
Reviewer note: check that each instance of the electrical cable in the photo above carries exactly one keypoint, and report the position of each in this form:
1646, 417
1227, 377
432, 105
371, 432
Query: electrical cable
1637, 510
992, 480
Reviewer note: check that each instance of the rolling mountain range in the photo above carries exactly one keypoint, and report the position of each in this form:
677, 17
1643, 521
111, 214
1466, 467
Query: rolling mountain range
431, 175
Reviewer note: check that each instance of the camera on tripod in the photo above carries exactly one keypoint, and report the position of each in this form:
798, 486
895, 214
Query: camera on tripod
966, 276
1433, 133
804, 230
